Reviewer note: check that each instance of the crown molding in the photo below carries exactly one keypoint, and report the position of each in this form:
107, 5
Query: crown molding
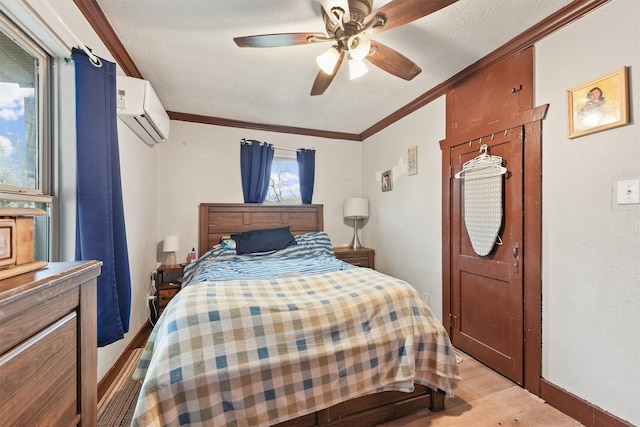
574, 10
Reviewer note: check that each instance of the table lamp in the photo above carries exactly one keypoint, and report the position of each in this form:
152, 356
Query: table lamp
355, 208
171, 245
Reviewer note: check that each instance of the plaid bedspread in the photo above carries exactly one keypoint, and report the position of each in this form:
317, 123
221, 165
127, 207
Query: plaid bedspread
259, 352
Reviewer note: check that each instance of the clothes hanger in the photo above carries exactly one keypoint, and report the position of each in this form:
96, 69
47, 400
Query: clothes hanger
482, 161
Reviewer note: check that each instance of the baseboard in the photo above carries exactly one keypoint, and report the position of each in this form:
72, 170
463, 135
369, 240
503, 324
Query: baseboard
138, 341
577, 408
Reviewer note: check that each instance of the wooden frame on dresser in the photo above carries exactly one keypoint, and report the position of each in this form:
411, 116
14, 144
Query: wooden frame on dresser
220, 219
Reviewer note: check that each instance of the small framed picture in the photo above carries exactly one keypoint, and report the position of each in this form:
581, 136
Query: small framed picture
387, 181
7, 242
413, 160
599, 104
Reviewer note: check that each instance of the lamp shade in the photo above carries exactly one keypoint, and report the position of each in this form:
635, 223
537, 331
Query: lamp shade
357, 68
359, 45
356, 207
171, 244
328, 60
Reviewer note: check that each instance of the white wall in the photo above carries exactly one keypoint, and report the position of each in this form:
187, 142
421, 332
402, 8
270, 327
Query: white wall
201, 163
405, 224
591, 272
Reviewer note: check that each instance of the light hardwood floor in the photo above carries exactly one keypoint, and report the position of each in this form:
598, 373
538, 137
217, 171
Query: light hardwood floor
486, 398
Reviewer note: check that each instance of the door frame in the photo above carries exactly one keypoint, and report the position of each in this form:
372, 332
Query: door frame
531, 121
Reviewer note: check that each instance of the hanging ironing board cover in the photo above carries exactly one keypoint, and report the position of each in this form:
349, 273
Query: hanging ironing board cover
483, 206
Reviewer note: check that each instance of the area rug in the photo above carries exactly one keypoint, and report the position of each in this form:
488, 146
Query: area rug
118, 403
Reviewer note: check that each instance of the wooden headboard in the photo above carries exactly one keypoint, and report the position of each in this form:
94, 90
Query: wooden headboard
222, 219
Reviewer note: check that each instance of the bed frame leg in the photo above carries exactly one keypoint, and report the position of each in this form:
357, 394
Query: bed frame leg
437, 401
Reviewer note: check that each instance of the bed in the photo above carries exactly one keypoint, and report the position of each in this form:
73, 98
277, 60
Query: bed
289, 336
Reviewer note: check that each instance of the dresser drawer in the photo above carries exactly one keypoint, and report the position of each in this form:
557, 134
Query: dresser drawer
361, 257
19, 326
39, 378
359, 260
165, 295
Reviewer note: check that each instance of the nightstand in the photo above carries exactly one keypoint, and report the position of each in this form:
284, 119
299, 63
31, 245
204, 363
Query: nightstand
168, 284
362, 257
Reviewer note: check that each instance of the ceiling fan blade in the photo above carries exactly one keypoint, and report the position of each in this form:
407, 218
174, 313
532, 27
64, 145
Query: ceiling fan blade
400, 12
323, 80
392, 61
277, 40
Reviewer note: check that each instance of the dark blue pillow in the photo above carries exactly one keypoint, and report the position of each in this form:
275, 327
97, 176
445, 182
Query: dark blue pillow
263, 240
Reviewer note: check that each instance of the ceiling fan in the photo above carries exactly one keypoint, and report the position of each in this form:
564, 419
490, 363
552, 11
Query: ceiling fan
350, 25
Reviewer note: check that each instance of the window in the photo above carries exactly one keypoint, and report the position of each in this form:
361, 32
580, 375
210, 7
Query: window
24, 140
284, 185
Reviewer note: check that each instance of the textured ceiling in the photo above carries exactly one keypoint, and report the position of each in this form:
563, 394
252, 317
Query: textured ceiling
186, 50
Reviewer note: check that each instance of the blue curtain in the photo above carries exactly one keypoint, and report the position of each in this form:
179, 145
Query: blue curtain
306, 170
100, 228
255, 167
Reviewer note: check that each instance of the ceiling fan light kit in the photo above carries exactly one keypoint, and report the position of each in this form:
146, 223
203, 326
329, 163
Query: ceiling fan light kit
357, 68
327, 61
359, 46
350, 25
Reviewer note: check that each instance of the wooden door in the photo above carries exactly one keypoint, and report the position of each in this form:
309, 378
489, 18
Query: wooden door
487, 291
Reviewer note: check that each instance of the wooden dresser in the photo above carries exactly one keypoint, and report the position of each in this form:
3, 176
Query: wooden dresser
48, 346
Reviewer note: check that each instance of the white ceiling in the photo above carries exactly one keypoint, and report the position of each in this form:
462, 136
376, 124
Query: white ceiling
186, 50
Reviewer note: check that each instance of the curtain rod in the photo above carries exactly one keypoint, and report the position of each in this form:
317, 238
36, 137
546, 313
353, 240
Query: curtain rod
286, 149
94, 59
244, 141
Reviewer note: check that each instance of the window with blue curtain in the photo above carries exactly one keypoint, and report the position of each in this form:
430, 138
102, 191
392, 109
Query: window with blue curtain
259, 182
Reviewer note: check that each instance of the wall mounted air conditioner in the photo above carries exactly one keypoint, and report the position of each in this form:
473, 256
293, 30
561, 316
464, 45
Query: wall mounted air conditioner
140, 108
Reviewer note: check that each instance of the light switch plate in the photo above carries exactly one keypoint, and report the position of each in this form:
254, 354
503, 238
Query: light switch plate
629, 192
